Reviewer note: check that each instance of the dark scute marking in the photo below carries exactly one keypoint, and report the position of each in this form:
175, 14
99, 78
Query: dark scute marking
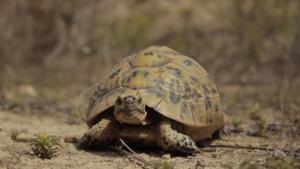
162, 64
184, 108
130, 64
125, 81
193, 108
134, 73
146, 73
187, 87
119, 90
115, 73
210, 120
174, 98
217, 108
213, 90
188, 62
175, 71
206, 89
175, 84
187, 91
208, 103
196, 95
195, 79
148, 53
211, 84
160, 82
156, 91
101, 91
168, 85
186, 96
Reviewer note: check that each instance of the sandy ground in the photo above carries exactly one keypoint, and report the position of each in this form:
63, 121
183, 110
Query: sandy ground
15, 155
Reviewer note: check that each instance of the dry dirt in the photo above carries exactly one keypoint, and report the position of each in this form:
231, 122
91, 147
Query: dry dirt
15, 155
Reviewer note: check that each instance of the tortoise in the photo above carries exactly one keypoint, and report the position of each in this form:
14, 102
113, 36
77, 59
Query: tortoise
157, 97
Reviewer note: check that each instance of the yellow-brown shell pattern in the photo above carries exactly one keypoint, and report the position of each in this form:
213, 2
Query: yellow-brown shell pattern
173, 84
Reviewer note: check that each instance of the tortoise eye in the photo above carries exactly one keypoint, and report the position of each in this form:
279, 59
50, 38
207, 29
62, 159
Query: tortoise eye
139, 99
119, 100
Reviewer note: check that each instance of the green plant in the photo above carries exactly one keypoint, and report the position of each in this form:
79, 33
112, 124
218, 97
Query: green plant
163, 164
44, 145
253, 109
236, 122
259, 122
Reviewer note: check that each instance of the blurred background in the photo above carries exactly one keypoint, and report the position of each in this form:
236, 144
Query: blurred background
52, 49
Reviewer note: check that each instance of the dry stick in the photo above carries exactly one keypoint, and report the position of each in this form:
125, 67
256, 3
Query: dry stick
124, 144
251, 148
133, 155
136, 159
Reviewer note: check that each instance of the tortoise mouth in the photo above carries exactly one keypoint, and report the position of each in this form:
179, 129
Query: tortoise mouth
151, 117
133, 117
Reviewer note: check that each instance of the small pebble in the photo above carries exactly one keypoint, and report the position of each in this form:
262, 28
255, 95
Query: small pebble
166, 156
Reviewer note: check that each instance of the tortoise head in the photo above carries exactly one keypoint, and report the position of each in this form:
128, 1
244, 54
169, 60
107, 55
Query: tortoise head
130, 109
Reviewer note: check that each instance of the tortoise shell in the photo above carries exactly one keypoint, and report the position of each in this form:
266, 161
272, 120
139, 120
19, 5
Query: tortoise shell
172, 84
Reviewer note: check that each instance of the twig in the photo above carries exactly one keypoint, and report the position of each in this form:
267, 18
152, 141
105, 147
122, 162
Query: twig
124, 144
134, 157
251, 148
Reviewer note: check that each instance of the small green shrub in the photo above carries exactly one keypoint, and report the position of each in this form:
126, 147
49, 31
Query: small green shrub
253, 109
236, 122
163, 164
259, 122
44, 145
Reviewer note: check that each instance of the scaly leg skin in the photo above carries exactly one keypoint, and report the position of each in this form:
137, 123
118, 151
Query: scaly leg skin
171, 140
100, 134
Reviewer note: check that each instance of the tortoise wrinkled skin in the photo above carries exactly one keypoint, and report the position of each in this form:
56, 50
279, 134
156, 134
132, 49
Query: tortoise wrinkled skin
172, 84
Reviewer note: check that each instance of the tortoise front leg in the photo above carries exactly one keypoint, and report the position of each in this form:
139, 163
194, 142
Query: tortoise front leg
171, 140
100, 134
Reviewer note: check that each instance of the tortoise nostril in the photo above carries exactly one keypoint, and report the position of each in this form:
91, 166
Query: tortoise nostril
130, 99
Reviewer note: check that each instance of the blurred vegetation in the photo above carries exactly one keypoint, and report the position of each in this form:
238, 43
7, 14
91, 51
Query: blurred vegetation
241, 37
163, 164
73, 43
